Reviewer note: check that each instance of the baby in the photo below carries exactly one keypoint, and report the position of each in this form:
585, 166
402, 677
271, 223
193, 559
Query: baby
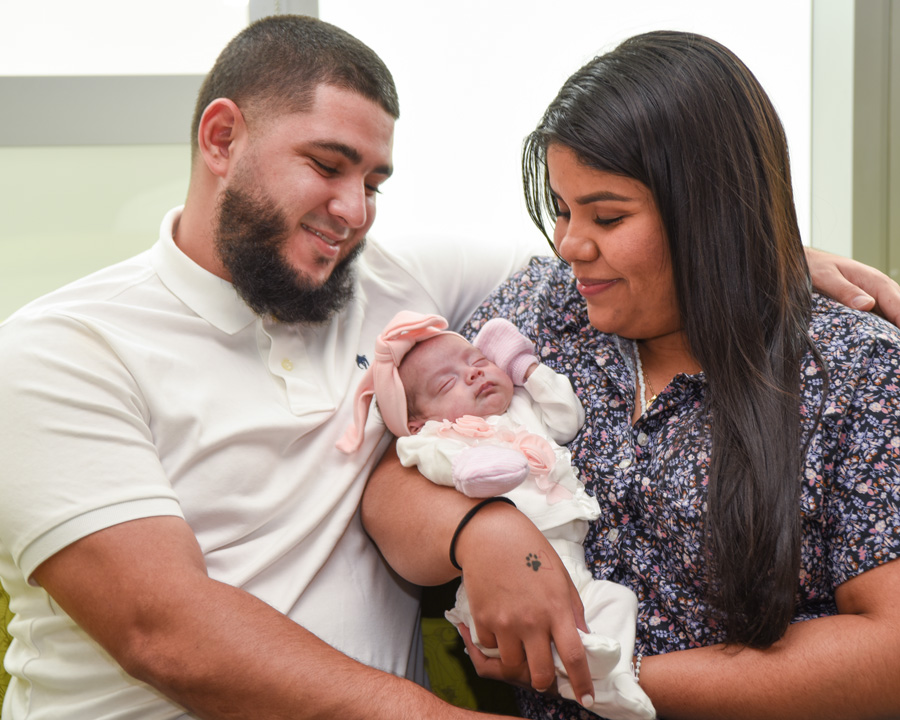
488, 419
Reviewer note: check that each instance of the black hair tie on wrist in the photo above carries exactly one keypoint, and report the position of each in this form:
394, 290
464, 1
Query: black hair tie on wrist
466, 518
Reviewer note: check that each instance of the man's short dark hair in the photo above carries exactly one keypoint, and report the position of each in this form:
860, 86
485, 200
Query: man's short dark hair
275, 64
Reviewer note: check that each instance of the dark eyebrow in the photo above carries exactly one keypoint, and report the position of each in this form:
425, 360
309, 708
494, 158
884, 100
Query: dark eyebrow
602, 196
599, 196
352, 154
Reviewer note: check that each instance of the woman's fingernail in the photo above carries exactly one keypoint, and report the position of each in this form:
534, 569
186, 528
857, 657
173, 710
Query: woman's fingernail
587, 701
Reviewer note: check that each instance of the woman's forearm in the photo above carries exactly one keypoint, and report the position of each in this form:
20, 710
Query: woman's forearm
827, 668
412, 521
845, 666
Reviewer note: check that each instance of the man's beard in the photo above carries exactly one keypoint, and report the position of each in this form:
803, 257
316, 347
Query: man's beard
250, 235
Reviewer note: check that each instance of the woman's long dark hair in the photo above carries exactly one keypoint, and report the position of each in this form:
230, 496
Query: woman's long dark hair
681, 114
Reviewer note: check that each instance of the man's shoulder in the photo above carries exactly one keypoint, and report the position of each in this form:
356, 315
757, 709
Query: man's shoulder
98, 287
412, 254
120, 300
453, 274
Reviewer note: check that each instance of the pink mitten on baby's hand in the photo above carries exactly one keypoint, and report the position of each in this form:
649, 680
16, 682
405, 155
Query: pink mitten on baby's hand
503, 344
487, 470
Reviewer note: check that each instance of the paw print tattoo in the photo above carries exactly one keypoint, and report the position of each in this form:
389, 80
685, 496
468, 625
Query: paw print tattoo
533, 562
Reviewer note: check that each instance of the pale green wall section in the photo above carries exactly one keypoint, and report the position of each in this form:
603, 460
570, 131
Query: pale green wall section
66, 211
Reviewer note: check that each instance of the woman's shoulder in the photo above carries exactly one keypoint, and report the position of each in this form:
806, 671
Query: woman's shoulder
541, 296
839, 329
545, 278
853, 344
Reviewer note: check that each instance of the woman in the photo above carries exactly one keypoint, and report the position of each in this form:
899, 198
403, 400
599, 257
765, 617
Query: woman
740, 431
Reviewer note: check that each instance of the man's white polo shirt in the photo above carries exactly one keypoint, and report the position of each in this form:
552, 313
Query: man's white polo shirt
149, 389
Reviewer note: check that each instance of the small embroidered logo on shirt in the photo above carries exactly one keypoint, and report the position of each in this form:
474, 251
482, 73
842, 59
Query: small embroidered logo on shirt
362, 362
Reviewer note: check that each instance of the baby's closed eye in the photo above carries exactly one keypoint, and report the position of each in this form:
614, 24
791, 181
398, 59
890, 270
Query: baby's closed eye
446, 384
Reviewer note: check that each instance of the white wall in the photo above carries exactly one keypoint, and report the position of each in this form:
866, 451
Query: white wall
69, 210
115, 37
474, 77
832, 138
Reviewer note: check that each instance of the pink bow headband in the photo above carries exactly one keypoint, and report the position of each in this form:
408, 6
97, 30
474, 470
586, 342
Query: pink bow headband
382, 379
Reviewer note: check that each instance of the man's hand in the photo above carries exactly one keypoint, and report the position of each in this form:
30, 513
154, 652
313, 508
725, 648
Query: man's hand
855, 285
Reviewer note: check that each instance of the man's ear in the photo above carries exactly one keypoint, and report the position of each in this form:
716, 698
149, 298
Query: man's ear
221, 130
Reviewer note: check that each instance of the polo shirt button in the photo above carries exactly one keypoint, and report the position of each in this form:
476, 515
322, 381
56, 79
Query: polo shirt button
624, 463
642, 439
287, 364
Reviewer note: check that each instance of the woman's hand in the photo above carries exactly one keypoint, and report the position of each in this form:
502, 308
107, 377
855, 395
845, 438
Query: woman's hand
521, 595
522, 601
853, 284
493, 668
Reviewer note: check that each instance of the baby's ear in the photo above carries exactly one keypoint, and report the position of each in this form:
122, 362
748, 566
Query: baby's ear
414, 426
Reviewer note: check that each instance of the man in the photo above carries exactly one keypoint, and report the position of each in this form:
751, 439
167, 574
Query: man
171, 480
179, 535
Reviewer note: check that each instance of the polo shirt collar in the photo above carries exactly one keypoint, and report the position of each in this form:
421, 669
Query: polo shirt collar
211, 297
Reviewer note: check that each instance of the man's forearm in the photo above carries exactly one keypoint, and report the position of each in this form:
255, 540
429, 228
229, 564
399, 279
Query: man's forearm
141, 591
239, 658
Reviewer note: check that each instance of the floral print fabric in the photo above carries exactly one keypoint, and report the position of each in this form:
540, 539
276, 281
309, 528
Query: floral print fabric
650, 477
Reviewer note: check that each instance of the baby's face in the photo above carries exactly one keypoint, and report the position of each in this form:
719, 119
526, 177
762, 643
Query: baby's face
446, 377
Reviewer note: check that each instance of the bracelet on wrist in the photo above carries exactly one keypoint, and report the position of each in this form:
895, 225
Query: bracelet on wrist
466, 518
636, 666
